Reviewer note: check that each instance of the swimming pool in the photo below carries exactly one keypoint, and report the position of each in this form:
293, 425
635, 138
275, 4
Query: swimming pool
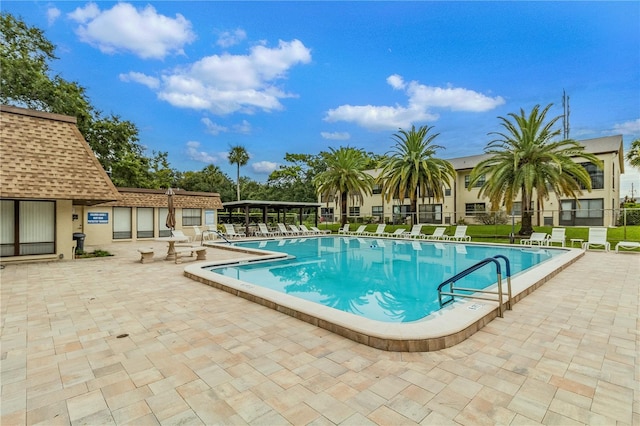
379, 279
441, 329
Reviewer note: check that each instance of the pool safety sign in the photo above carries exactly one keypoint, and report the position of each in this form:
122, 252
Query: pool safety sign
93, 217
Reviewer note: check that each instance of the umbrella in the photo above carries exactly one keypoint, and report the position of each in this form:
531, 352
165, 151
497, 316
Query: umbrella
171, 215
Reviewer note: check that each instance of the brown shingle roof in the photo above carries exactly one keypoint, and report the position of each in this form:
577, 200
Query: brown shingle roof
137, 197
44, 156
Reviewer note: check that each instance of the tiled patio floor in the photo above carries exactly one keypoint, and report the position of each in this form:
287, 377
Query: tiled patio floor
567, 354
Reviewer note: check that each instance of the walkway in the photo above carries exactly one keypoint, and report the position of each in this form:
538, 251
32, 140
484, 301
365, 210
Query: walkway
567, 354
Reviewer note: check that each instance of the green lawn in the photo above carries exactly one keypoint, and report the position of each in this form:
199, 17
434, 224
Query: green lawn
500, 233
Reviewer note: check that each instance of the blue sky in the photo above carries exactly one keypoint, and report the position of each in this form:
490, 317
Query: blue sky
199, 77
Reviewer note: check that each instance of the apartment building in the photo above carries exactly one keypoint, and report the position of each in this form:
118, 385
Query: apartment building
463, 204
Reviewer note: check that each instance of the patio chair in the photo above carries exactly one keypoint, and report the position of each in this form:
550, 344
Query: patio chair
557, 236
460, 234
538, 238
263, 231
597, 237
296, 231
307, 231
360, 231
180, 234
397, 233
230, 231
197, 234
283, 230
438, 234
379, 231
320, 231
416, 232
344, 229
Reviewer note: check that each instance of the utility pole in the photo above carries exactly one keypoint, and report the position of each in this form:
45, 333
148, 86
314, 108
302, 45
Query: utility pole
565, 115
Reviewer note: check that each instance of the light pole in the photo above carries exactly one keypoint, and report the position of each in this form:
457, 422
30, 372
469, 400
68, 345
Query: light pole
512, 236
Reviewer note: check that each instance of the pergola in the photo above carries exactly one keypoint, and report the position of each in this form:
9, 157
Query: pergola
270, 206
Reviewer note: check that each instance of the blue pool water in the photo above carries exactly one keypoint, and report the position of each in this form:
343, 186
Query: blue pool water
381, 279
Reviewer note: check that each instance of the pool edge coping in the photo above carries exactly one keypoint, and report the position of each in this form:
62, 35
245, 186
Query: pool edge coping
442, 329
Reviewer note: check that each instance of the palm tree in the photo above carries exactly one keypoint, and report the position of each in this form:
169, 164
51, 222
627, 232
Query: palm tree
238, 155
411, 170
344, 176
633, 156
525, 160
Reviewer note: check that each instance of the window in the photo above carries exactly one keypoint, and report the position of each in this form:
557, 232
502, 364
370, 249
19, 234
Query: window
377, 189
478, 184
191, 217
326, 213
430, 213
162, 220
473, 209
590, 208
121, 223
377, 211
596, 174
354, 211
447, 192
144, 222
27, 227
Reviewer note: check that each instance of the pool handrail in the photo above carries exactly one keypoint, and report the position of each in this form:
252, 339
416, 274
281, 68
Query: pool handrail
451, 281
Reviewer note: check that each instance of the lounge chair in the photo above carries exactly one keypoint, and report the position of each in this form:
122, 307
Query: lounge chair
557, 236
438, 234
397, 233
283, 230
460, 234
344, 229
320, 231
416, 232
230, 231
538, 238
198, 236
296, 231
307, 231
263, 231
378, 232
179, 234
360, 231
597, 237
627, 245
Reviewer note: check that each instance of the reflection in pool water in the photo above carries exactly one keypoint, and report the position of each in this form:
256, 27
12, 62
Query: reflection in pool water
381, 279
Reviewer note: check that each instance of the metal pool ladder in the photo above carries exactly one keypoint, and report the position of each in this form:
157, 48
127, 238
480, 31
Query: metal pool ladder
452, 289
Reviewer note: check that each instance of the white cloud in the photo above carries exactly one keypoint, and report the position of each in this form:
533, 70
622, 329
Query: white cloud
224, 84
231, 38
628, 127
123, 28
264, 167
53, 13
137, 77
213, 128
336, 136
420, 103
244, 127
194, 153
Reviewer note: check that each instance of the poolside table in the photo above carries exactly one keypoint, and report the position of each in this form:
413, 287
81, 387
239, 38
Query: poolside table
171, 252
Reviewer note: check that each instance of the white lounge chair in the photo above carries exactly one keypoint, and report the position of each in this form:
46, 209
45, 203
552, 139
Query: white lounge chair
198, 236
176, 233
263, 231
283, 230
557, 236
460, 234
537, 238
378, 232
360, 231
597, 237
230, 231
296, 231
416, 232
307, 231
438, 234
397, 233
627, 245
320, 231
344, 229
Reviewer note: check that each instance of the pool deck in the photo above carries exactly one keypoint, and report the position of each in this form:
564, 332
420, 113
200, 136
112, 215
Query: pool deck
566, 354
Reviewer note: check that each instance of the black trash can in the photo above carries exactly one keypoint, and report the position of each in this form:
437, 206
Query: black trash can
79, 237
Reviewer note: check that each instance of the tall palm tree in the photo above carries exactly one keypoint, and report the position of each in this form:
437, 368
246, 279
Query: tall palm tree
238, 155
411, 170
633, 155
344, 176
525, 160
